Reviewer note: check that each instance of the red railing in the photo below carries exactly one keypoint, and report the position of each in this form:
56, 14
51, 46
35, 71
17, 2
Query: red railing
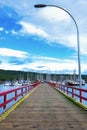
72, 91
17, 92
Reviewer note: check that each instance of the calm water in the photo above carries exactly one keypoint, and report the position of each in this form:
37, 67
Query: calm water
4, 88
85, 86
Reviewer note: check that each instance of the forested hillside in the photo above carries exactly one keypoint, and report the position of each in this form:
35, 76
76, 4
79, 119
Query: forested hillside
17, 75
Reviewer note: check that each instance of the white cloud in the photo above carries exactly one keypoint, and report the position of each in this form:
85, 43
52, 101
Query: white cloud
52, 14
6, 31
32, 29
14, 32
66, 39
83, 44
53, 64
1, 28
11, 53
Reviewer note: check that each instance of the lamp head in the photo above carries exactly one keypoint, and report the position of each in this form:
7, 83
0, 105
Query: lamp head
39, 6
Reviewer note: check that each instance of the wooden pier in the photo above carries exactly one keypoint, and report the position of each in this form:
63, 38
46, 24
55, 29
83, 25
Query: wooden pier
46, 109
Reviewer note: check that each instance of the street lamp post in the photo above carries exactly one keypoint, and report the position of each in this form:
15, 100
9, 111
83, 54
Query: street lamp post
78, 45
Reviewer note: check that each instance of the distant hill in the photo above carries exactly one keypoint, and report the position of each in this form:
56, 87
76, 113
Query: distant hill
12, 74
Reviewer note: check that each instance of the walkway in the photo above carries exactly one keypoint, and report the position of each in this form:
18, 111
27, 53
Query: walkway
46, 109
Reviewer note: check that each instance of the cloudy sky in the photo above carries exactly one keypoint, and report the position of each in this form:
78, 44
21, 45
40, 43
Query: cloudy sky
42, 39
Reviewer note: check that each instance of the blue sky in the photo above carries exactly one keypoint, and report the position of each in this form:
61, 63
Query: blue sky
41, 39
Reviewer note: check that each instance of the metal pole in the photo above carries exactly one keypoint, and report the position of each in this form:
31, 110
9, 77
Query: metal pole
78, 45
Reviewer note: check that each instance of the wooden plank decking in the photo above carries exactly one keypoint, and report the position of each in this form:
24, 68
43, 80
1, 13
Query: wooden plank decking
46, 109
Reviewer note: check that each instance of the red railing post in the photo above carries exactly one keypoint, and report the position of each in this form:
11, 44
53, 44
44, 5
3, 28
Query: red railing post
67, 90
72, 92
4, 101
61, 87
28, 88
15, 95
80, 92
22, 92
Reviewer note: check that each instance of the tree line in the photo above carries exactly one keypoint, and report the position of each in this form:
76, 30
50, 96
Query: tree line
32, 76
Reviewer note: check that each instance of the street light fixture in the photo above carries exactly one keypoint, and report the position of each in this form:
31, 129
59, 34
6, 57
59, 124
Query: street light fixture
78, 45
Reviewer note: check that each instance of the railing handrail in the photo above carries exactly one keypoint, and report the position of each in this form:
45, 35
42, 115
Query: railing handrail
83, 89
10, 91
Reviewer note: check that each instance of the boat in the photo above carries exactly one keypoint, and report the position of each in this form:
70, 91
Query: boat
74, 83
7, 83
26, 83
16, 83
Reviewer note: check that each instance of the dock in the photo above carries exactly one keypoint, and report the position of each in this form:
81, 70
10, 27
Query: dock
46, 109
